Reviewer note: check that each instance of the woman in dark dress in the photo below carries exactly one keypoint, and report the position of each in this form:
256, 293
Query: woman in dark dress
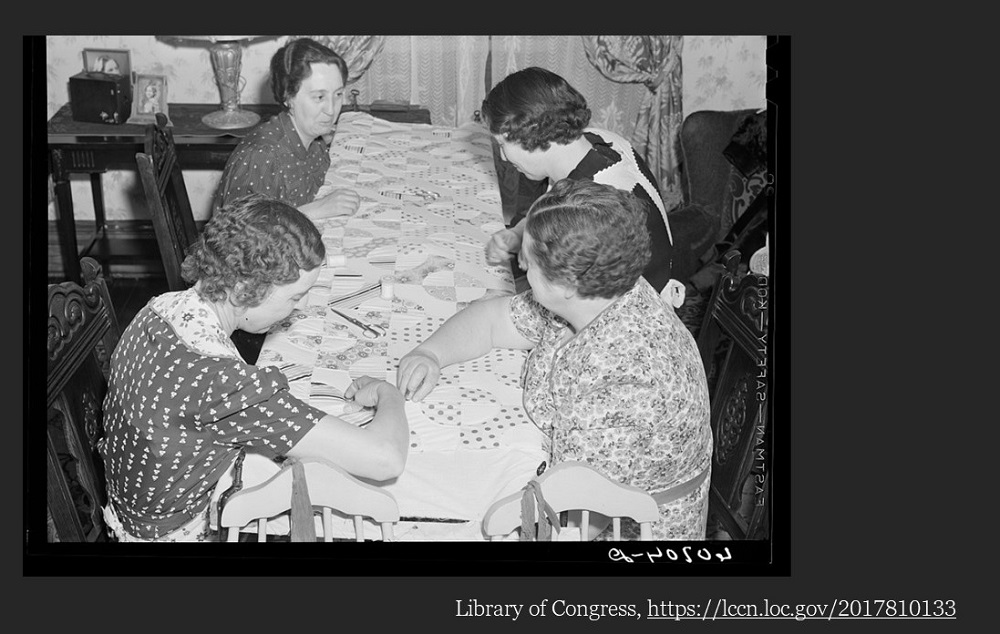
541, 125
287, 157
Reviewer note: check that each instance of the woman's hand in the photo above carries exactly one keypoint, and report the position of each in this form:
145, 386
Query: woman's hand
366, 391
339, 202
419, 371
502, 245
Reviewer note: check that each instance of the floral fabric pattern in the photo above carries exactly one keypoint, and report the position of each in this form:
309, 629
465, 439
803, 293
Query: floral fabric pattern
627, 395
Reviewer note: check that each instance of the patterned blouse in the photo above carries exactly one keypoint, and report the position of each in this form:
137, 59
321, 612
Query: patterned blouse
181, 404
627, 395
270, 160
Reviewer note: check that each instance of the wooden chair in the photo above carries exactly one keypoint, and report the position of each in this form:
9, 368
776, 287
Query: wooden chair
167, 199
575, 486
329, 487
732, 341
82, 334
173, 220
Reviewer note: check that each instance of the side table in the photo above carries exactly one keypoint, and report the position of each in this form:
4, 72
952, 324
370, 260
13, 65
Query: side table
77, 147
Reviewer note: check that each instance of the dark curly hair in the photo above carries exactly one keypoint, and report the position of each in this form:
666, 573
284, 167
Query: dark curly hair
589, 236
535, 107
290, 65
248, 247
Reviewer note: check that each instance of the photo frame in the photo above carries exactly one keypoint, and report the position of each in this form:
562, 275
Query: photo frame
149, 96
108, 61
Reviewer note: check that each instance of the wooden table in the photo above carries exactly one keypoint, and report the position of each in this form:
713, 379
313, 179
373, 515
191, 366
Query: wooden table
429, 203
77, 147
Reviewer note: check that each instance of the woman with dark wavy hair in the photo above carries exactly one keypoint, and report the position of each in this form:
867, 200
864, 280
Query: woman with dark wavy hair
182, 404
614, 378
540, 123
288, 156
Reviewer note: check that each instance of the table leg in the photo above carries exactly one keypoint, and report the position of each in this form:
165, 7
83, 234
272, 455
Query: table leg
65, 222
98, 191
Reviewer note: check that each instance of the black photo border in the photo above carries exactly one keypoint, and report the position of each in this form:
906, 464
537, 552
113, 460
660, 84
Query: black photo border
668, 559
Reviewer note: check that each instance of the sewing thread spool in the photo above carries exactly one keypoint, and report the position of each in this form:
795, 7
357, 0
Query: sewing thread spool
336, 261
387, 287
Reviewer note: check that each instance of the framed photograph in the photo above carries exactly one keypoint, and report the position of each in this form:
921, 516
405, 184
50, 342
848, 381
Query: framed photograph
149, 96
108, 61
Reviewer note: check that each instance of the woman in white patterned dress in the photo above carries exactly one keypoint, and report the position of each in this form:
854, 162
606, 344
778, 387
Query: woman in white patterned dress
182, 404
614, 378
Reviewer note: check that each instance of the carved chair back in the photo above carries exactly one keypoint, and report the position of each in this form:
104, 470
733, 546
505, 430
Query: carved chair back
167, 199
82, 334
734, 347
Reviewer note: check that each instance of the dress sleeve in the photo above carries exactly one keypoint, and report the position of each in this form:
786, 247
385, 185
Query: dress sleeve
252, 407
530, 318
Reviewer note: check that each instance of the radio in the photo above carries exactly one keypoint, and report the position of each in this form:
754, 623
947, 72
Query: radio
100, 97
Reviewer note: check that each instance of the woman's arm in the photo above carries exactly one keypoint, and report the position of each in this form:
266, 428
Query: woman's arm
504, 244
376, 451
340, 202
250, 170
466, 335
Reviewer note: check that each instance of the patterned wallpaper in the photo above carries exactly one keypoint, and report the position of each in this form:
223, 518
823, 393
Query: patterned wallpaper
719, 73
723, 72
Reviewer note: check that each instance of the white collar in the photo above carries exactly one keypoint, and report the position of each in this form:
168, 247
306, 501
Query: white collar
195, 323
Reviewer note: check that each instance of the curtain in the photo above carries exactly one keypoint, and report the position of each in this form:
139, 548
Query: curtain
357, 50
442, 73
447, 74
655, 62
613, 105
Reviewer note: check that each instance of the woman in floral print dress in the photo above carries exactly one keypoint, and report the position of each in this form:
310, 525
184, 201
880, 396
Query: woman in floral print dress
182, 404
613, 378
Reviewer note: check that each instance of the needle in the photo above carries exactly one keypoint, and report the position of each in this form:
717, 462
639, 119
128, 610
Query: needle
365, 327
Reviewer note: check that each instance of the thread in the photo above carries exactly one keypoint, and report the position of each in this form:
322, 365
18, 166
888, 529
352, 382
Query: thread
387, 287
